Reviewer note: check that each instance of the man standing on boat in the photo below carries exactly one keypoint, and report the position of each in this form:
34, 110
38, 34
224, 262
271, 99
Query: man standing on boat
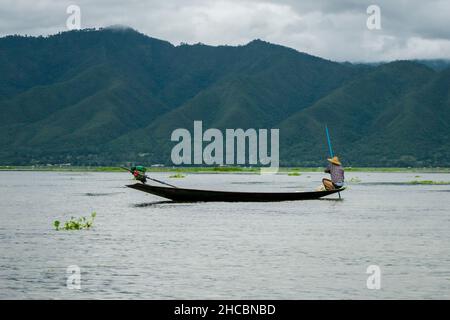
336, 171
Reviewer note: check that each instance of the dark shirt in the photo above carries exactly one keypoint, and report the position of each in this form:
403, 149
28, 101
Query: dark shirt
336, 172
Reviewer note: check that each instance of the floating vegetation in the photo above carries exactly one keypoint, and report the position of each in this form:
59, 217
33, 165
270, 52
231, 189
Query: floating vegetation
177, 176
152, 204
158, 168
75, 224
428, 182
229, 169
92, 194
354, 180
295, 174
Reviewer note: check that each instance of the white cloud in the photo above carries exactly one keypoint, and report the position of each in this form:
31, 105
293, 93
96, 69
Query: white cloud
330, 29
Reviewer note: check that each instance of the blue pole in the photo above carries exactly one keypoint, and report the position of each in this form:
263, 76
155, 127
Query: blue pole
329, 141
331, 149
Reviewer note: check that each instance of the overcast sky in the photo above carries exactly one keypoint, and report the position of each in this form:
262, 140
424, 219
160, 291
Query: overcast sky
336, 30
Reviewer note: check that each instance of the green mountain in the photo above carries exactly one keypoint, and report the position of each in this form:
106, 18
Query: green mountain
110, 96
372, 118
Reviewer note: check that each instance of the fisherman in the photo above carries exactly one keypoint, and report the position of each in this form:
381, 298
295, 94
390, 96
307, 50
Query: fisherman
336, 171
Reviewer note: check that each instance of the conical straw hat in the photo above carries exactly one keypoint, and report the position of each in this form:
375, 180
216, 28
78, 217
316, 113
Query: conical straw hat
335, 160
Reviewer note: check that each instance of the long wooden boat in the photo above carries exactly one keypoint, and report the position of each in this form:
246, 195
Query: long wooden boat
193, 195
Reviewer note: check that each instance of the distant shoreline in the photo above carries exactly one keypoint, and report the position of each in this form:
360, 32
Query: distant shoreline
285, 170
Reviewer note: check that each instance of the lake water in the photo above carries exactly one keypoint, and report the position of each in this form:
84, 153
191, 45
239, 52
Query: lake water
143, 248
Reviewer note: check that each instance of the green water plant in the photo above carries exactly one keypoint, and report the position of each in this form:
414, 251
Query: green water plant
75, 224
429, 182
177, 176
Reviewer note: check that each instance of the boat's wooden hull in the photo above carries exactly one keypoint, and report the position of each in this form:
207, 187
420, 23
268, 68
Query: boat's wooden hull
193, 195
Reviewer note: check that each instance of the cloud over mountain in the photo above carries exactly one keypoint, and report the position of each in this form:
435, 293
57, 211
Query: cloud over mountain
331, 29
